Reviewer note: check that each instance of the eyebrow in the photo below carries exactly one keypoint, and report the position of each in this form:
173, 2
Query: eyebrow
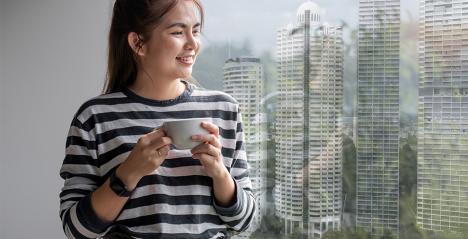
182, 25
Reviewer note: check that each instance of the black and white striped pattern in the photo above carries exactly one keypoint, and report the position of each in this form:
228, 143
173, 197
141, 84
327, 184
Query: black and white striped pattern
175, 201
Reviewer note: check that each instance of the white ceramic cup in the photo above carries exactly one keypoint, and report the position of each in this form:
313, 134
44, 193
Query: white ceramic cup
181, 132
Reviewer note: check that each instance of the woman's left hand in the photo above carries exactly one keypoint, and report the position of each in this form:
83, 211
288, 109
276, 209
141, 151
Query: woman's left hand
211, 158
209, 153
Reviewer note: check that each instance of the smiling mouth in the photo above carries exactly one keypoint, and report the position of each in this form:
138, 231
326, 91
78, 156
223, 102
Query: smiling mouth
185, 59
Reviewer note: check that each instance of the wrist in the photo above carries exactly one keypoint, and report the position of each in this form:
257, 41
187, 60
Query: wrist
125, 174
224, 189
222, 175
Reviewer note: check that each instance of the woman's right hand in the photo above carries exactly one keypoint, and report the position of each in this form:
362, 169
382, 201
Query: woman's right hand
148, 154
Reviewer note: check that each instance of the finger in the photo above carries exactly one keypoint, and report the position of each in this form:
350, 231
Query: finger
161, 142
210, 138
164, 150
205, 159
156, 133
212, 128
158, 128
202, 148
206, 149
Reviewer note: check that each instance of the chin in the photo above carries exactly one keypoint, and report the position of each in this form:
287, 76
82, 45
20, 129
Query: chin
184, 74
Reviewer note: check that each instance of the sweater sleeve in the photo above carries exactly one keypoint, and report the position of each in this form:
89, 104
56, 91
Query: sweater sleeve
239, 215
80, 170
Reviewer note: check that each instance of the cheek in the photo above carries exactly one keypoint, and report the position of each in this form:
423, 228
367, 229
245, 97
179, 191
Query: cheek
199, 46
163, 59
166, 49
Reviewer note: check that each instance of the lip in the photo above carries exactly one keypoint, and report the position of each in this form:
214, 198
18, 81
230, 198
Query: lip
186, 60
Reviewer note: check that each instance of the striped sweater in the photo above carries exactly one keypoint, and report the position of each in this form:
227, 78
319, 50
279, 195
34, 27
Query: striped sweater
176, 200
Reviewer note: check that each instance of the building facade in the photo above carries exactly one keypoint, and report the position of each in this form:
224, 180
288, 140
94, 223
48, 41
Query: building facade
308, 132
377, 136
442, 192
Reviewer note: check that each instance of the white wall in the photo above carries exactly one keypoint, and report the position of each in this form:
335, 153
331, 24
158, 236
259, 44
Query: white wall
53, 58
2, 160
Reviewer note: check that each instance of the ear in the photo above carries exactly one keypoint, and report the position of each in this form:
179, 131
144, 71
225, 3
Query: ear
136, 43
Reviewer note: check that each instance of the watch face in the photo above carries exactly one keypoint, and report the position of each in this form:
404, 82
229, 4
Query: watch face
118, 187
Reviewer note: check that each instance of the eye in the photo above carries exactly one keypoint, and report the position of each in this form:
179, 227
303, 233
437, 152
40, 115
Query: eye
177, 33
196, 32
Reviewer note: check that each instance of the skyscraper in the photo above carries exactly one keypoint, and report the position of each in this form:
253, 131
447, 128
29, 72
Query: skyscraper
442, 198
308, 124
243, 79
377, 164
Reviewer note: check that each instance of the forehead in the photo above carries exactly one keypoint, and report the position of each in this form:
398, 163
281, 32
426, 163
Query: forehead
185, 11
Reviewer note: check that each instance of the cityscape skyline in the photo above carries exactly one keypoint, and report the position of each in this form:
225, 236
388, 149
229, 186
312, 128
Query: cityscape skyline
378, 139
235, 25
233, 30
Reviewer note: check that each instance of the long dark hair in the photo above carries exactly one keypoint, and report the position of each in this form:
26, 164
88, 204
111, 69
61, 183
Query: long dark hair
141, 17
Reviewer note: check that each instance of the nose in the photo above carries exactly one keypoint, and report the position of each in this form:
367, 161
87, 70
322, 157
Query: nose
192, 42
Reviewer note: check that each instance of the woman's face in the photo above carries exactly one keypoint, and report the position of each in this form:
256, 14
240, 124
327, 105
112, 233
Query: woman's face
174, 44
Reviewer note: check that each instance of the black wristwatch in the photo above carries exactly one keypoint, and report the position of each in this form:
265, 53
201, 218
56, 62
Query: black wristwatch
117, 186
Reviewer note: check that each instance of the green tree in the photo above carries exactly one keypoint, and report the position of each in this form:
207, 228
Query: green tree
334, 235
271, 227
349, 177
297, 234
346, 234
408, 169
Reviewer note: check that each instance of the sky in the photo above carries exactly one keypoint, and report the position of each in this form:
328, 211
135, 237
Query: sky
258, 20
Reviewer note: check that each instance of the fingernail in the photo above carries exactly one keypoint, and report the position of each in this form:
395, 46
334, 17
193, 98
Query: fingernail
195, 137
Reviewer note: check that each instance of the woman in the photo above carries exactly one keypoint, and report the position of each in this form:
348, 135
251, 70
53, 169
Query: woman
121, 176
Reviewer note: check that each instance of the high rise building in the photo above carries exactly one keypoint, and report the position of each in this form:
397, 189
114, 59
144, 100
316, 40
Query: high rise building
442, 198
243, 79
377, 163
308, 136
